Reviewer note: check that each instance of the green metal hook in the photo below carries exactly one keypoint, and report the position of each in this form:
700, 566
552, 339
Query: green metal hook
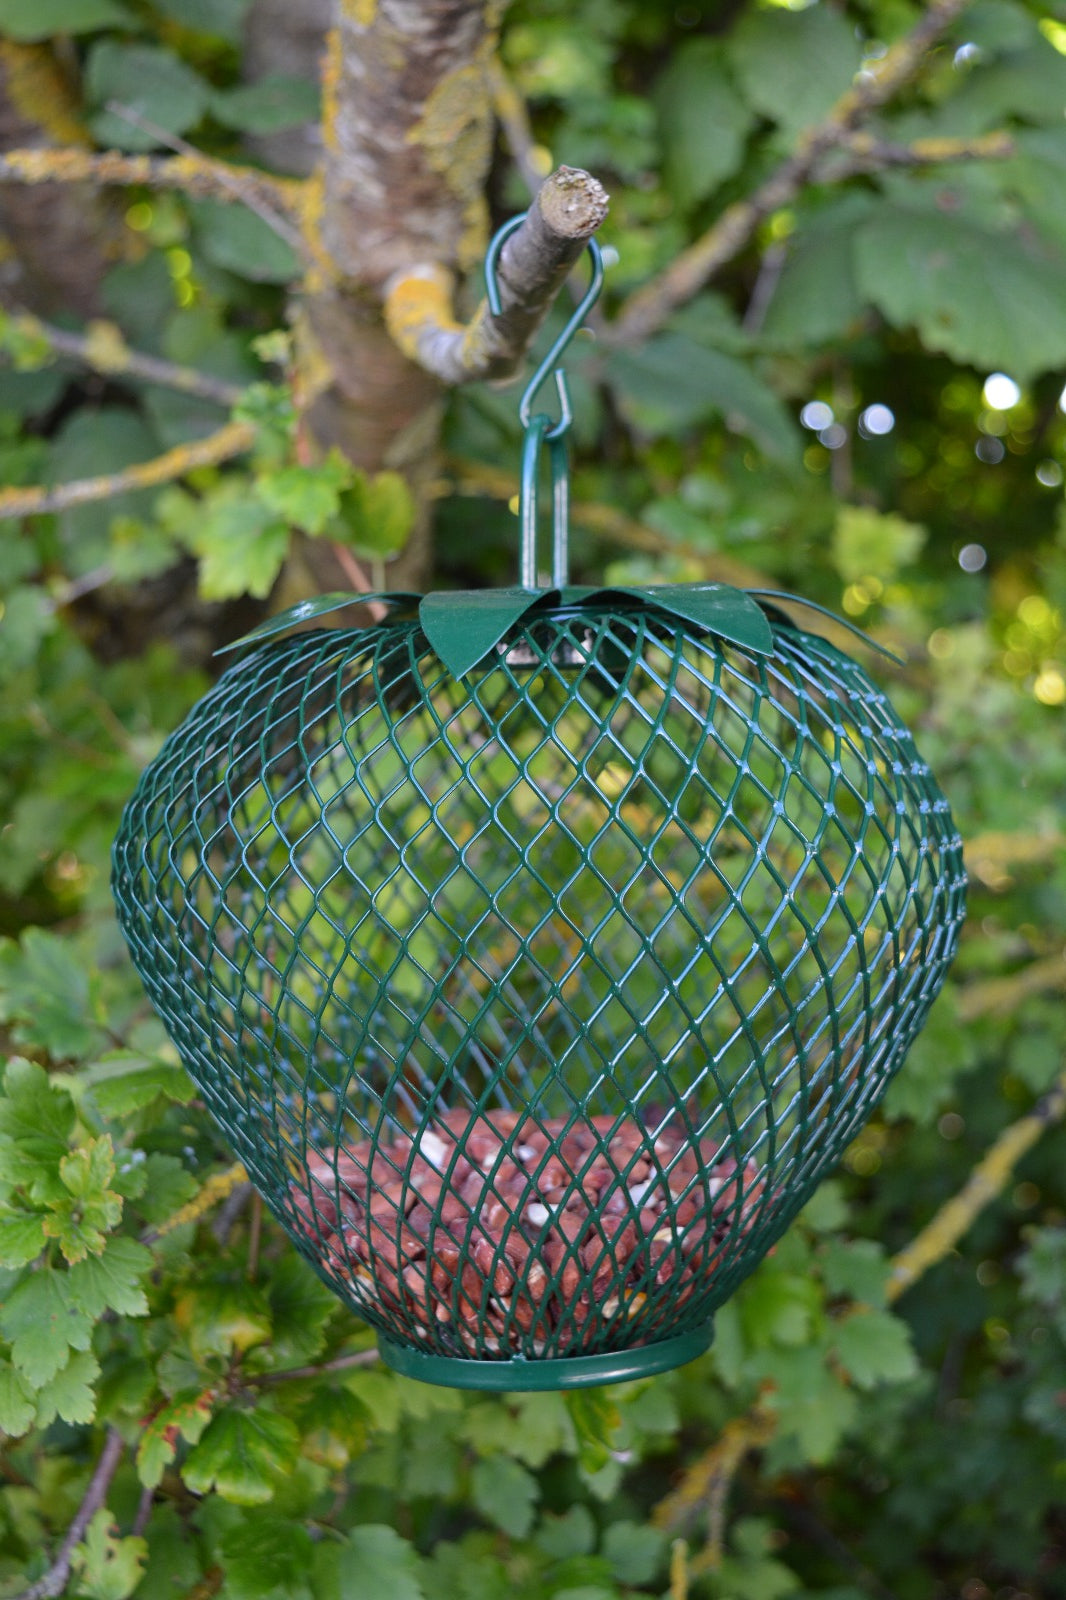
540, 429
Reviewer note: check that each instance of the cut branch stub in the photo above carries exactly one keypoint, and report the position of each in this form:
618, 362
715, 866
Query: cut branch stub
533, 267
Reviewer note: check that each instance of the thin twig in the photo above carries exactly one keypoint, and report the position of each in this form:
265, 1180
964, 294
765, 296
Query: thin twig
533, 266
649, 307
267, 212
195, 174
986, 1182
215, 1188
104, 349
360, 1358
143, 1513
864, 153
513, 117
54, 1581
231, 440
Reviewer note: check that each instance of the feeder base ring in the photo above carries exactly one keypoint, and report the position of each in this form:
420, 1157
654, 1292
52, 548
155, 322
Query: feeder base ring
561, 1372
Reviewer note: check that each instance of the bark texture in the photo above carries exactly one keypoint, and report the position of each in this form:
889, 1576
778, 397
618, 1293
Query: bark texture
407, 134
58, 240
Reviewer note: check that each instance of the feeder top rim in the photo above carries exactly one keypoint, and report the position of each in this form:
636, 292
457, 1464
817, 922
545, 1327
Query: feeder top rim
463, 626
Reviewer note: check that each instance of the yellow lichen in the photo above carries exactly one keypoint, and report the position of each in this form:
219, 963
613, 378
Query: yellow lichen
361, 12
39, 93
417, 303
332, 69
105, 348
455, 133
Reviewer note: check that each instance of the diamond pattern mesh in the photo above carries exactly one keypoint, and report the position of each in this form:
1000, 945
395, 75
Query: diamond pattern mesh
537, 1003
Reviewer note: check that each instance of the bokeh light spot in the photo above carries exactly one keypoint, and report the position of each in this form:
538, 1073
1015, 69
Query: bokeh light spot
877, 420
972, 557
1000, 392
1049, 473
1050, 687
816, 415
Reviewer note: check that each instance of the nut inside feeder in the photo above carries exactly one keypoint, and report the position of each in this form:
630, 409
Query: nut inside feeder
539, 950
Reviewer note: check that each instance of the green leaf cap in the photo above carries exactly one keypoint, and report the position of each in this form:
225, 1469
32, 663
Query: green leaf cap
463, 626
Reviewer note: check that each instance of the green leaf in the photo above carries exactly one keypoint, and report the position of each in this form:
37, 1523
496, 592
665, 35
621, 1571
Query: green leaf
636, 1552
671, 384
81, 1219
333, 1427
43, 1325
36, 1116
45, 991
811, 1402
573, 1533
243, 1456
152, 82
21, 1238
29, 21
269, 104
126, 1081
241, 544
221, 18
27, 619
300, 1307
792, 66
374, 1561
703, 122
596, 1419
111, 1281
869, 543
240, 241
816, 298
70, 1394
168, 1187
981, 297
219, 1318
858, 1268
108, 1567
17, 1407
307, 497
777, 1308
375, 516
185, 1417
506, 1494
875, 1347
264, 1556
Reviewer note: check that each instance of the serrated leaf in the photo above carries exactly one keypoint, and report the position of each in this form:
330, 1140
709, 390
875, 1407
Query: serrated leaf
636, 1552
792, 66
243, 1455
220, 1318
875, 1347
375, 516
81, 1219
21, 1239
45, 991
858, 1268
262, 1555
333, 1427
374, 1560
111, 1281
307, 497
126, 1081
979, 296
506, 1494
777, 1308
17, 1407
185, 1417
241, 544
108, 1567
169, 1185
30, 21
811, 1402
152, 82
300, 1307
271, 103
703, 122
36, 1118
234, 238
70, 1393
43, 1326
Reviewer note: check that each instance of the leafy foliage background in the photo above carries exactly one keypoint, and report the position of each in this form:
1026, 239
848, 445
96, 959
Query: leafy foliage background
909, 1452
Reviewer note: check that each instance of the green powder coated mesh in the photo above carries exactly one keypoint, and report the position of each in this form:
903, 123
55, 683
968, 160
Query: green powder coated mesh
536, 1003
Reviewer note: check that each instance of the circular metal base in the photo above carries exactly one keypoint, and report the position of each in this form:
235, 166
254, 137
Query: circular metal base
560, 1372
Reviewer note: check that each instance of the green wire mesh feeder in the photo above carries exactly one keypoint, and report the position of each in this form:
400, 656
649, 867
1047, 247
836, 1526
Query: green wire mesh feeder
539, 950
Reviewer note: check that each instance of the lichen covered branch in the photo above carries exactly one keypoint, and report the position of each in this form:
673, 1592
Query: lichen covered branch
533, 267
194, 174
104, 349
231, 440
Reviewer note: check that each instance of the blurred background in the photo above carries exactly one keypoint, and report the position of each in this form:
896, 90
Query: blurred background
859, 394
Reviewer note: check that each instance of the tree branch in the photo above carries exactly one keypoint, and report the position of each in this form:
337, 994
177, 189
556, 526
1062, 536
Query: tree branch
864, 153
104, 349
54, 1581
358, 1358
533, 267
231, 440
648, 308
194, 174
986, 1182
215, 1188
